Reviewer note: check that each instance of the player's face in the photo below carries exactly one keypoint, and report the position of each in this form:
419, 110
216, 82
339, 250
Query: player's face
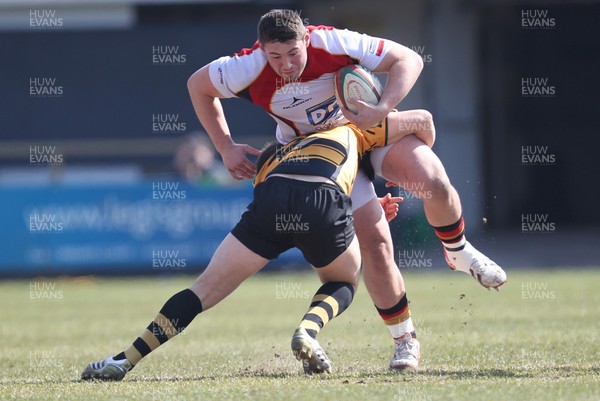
287, 59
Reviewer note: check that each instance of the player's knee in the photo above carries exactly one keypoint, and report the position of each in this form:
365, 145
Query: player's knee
354, 282
334, 273
423, 115
439, 187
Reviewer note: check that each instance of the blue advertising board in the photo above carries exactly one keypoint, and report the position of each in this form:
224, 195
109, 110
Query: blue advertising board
146, 227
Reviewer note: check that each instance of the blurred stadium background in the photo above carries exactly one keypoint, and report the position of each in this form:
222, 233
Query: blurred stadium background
97, 170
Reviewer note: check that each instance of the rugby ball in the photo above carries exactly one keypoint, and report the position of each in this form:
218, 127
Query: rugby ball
356, 82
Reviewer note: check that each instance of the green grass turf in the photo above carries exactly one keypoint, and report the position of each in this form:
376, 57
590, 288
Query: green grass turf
537, 339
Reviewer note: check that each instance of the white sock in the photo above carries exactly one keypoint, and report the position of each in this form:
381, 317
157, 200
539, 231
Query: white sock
460, 260
399, 329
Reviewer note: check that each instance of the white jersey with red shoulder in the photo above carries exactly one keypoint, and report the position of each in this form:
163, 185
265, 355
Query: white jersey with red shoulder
307, 104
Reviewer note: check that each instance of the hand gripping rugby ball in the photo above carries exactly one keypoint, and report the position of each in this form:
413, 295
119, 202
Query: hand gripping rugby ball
356, 82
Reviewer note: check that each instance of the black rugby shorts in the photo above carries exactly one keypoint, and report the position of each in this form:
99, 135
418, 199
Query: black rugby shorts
315, 217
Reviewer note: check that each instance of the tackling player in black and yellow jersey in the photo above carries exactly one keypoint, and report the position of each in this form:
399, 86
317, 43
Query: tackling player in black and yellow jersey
301, 199
301, 195
324, 154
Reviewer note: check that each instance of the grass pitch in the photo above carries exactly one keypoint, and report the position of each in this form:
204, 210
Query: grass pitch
537, 339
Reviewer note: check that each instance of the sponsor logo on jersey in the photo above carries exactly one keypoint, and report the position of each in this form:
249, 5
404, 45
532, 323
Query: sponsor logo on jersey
323, 111
376, 46
221, 78
296, 101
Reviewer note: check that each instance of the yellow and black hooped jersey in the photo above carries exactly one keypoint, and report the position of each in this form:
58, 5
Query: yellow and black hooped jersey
333, 154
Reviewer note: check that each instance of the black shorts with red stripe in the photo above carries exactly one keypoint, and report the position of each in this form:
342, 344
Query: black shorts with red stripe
315, 217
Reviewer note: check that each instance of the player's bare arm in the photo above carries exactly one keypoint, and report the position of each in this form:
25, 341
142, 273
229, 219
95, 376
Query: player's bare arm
206, 102
403, 67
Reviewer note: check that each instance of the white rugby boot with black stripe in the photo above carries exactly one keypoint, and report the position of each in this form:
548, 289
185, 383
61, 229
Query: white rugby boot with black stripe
309, 351
469, 260
107, 369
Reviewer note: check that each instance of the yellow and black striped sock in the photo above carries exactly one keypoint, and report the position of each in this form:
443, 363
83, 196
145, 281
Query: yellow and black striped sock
176, 314
453, 235
330, 301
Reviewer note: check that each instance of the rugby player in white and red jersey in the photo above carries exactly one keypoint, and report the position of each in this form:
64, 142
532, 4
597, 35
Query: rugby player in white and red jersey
289, 73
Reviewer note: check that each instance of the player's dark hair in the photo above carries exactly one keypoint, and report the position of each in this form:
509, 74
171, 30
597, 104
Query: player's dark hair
267, 151
280, 25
